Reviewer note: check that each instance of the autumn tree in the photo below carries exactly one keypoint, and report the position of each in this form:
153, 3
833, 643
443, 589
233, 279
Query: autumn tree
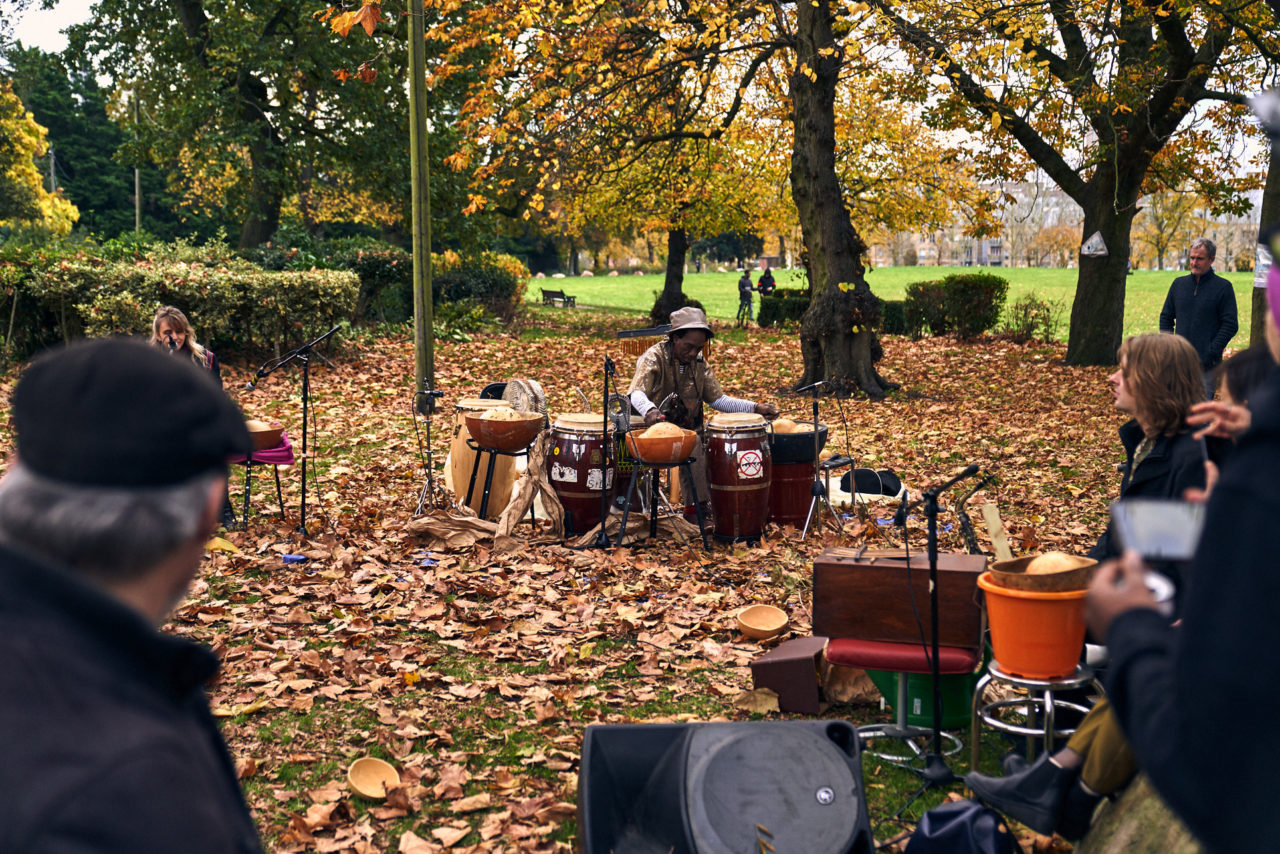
1164, 223
1109, 99
252, 108
24, 201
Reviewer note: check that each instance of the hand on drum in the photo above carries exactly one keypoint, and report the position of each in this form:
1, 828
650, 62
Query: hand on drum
653, 416
768, 410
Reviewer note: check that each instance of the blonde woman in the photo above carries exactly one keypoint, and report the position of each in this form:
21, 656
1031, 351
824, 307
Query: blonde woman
172, 331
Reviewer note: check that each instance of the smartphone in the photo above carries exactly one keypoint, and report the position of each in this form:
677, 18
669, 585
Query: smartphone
1158, 528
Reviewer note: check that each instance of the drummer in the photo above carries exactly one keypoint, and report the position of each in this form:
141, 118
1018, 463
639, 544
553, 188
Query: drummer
676, 366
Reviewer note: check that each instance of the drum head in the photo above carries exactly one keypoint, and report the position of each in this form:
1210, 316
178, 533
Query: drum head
581, 422
735, 420
475, 404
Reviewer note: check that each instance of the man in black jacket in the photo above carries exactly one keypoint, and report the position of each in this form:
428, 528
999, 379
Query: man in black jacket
107, 738
1201, 307
1176, 690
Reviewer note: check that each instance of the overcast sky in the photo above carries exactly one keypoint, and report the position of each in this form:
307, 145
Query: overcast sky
42, 29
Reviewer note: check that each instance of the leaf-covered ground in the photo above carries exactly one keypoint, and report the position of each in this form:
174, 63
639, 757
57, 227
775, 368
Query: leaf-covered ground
477, 674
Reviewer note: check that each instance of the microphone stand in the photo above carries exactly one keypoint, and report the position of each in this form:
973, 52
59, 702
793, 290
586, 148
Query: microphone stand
302, 354
426, 400
819, 488
602, 537
936, 772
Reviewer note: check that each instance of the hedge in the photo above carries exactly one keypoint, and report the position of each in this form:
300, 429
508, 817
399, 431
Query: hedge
966, 303
233, 305
784, 305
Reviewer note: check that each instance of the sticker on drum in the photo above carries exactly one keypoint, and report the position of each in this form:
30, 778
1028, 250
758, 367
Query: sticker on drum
750, 464
564, 474
593, 479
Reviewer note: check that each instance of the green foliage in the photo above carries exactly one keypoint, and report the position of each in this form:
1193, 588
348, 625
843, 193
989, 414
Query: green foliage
973, 301
893, 317
660, 313
234, 305
925, 308
459, 321
383, 270
783, 306
965, 303
495, 281
1030, 318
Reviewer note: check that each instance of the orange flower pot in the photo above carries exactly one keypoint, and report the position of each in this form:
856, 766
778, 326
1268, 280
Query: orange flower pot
1035, 634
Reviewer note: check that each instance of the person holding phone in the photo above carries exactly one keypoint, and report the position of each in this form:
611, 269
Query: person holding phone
1171, 688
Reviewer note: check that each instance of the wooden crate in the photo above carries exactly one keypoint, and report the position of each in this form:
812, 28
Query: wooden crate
869, 596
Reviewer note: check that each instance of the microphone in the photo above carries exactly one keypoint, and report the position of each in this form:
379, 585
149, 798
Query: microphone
812, 386
173, 346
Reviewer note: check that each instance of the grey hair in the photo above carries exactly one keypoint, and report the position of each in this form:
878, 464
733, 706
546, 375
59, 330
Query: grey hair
1207, 245
116, 534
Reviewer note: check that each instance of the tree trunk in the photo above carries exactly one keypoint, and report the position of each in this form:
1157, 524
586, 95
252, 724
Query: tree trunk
1269, 215
837, 336
1097, 313
266, 189
672, 296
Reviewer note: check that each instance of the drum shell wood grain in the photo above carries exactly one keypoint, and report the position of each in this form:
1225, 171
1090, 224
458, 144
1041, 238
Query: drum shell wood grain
462, 457
790, 493
573, 467
739, 472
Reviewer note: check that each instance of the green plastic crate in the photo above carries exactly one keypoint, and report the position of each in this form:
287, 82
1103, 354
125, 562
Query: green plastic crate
957, 696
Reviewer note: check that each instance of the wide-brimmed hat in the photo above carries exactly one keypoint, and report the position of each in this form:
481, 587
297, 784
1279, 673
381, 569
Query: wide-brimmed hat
690, 318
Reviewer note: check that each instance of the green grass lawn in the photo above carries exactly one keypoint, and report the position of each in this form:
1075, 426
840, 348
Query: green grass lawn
718, 292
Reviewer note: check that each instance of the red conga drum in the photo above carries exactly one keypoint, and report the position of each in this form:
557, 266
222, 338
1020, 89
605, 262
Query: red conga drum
577, 450
791, 493
739, 471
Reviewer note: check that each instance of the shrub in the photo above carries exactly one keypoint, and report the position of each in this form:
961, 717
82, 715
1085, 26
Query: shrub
966, 303
1031, 318
783, 306
661, 312
386, 277
233, 305
495, 281
925, 308
972, 302
893, 317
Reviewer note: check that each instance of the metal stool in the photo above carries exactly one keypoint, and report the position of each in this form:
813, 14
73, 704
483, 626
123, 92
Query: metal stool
493, 453
1044, 705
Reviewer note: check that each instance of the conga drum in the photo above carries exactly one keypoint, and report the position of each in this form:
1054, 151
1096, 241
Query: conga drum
791, 493
739, 472
577, 453
462, 459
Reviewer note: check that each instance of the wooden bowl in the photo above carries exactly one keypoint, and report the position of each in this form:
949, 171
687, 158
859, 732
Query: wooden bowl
265, 435
371, 777
659, 450
509, 436
762, 621
1013, 574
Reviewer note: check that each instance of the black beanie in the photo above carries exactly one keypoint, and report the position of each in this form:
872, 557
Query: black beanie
117, 412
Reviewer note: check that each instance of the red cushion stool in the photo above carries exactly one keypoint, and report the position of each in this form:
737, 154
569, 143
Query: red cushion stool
903, 659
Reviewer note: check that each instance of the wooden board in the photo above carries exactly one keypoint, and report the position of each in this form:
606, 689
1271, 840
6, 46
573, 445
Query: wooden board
869, 596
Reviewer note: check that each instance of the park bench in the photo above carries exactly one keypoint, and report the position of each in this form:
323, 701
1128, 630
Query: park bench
554, 297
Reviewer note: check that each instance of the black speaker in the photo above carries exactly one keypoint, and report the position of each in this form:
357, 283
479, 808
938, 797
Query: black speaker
722, 788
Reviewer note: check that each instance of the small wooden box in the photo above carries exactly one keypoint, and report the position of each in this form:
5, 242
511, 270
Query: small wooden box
791, 669
870, 597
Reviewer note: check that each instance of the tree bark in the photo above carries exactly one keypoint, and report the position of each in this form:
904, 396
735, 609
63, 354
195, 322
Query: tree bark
1097, 312
1269, 215
837, 335
672, 296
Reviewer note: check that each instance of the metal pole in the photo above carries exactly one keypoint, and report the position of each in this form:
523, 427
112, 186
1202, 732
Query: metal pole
423, 320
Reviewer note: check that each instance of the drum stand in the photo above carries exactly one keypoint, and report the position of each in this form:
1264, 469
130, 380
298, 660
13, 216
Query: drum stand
819, 488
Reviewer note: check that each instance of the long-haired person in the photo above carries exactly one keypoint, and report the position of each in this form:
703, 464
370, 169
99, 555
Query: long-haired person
171, 330
1157, 383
